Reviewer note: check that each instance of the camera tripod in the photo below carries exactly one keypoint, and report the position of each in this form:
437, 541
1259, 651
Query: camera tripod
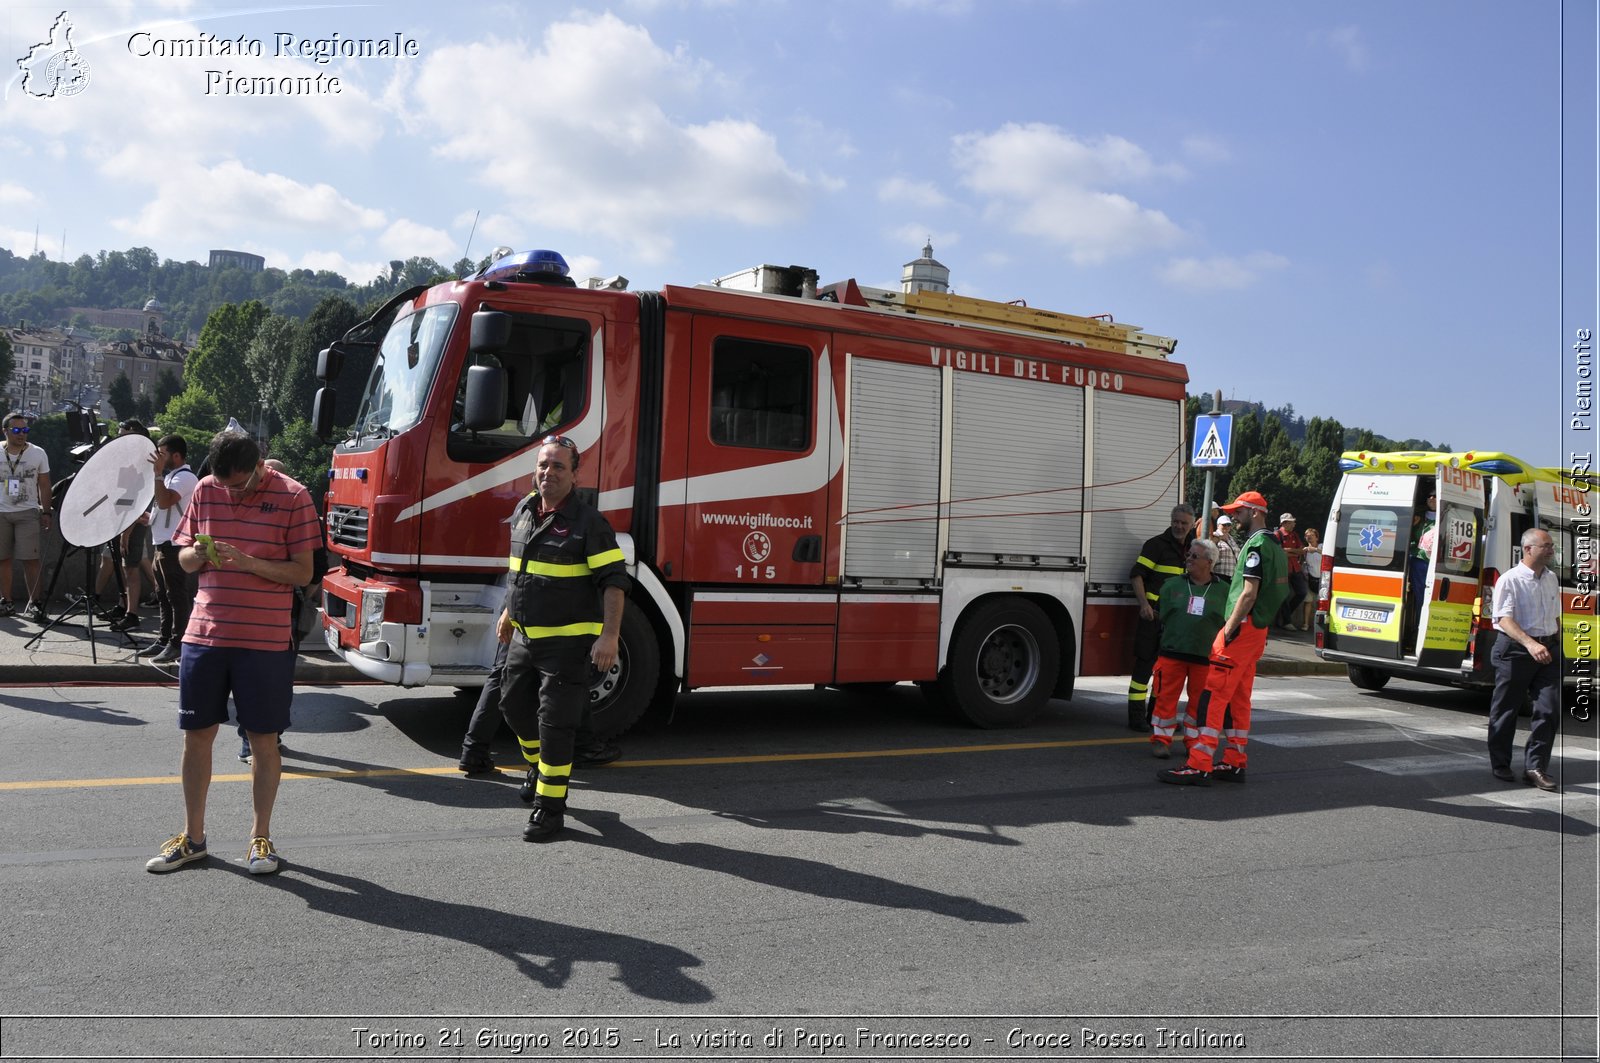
87, 601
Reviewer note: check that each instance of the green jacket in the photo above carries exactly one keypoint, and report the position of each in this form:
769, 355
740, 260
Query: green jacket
1185, 635
1263, 559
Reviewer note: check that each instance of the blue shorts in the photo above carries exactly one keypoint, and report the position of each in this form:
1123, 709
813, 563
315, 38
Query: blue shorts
261, 682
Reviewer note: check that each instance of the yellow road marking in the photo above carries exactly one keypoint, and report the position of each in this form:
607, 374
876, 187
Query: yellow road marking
674, 762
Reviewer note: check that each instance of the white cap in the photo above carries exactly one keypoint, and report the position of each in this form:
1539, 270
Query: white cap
1224, 519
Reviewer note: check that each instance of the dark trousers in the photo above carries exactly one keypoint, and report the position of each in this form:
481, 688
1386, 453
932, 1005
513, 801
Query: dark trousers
486, 717
1289, 612
1516, 674
542, 696
174, 592
1146, 647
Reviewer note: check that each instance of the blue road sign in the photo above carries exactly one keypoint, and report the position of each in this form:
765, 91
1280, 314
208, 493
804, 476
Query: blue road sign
1212, 434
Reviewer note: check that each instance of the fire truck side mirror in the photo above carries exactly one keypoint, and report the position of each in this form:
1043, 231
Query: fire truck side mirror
491, 331
486, 395
322, 412
330, 360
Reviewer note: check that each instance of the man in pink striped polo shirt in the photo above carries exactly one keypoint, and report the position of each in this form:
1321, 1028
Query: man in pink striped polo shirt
249, 532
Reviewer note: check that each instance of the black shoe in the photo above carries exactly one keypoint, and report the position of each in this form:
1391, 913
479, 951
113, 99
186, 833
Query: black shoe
545, 823
1185, 777
527, 792
1227, 773
1503, 774
476, 766
592, 756
155, 649
112, 612
35, 612
172, 654
126, 622
6, 608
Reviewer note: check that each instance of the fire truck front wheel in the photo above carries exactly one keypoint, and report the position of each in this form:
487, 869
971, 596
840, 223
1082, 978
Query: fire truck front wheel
618, 698
1003, 664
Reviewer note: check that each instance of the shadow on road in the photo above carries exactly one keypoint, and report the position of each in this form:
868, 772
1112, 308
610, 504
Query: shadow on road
543, 951
87, 712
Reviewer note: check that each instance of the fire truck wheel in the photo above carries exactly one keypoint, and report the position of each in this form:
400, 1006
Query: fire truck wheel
1002, 664
618, 698
1367, 678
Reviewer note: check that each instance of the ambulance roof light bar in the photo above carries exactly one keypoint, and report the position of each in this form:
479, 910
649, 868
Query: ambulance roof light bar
541, 264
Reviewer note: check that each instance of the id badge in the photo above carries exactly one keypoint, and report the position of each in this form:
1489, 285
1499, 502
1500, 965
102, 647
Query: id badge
14, 488
1197, 606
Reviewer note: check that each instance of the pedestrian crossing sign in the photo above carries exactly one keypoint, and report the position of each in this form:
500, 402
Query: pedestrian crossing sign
1212, 434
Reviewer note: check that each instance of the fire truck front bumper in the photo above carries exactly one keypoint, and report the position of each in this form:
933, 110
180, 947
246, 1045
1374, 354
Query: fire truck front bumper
371, 661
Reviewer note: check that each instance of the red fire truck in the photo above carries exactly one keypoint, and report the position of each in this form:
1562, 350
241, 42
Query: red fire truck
827, 486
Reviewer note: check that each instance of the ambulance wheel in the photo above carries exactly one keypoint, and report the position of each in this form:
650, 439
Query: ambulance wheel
1002, 664
1367, 678
618, 698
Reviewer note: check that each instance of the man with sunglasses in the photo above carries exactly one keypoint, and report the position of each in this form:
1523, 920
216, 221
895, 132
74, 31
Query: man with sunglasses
24, 513
249, 532
563, 610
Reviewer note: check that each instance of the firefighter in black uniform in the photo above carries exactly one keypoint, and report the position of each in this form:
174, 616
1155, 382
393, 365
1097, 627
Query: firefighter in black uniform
563, 610
1160, 558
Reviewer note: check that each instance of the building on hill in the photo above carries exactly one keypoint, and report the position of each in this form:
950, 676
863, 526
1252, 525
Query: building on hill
150, 318
141, 361
237, 260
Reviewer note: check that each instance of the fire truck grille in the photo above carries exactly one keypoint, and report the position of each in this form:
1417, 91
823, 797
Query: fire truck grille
347, 526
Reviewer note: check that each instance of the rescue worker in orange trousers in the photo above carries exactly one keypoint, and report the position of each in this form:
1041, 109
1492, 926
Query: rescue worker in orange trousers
1260, 584
1191, 610
563, 611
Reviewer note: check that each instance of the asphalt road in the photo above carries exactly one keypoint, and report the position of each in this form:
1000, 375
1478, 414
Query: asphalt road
803, 875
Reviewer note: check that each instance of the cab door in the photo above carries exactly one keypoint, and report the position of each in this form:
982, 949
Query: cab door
761, 453
1455, 569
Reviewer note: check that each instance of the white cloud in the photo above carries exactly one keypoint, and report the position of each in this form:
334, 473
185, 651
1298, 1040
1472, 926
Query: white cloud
598, 148
1348, 43
406, 239
12, 195
902, 192
1223, 272
210, 203
1042, 181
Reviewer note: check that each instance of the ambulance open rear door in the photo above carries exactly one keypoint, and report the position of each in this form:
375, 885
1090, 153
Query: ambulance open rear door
1455, 570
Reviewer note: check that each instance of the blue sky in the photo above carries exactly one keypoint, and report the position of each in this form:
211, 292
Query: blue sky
1353, 207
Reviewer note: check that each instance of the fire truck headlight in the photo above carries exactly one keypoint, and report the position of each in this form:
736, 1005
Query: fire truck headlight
371, 614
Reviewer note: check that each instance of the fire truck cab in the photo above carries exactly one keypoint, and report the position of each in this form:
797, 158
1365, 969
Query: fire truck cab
1402, 597
823, 486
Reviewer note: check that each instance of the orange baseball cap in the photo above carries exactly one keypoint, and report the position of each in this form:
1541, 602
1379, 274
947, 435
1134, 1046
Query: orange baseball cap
1248, 500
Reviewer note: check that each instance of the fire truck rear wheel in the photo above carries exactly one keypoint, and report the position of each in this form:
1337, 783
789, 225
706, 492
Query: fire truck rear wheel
620, 697
1003, 664
1367, 678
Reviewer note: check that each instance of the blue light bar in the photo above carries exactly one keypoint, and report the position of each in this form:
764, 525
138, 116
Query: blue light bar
526, 262
1497, 466
1346, 464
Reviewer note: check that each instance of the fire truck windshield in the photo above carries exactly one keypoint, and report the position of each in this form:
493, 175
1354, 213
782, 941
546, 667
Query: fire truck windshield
403, 371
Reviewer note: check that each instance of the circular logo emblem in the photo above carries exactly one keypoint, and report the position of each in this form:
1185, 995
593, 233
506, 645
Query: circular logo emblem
66, 74
757, 546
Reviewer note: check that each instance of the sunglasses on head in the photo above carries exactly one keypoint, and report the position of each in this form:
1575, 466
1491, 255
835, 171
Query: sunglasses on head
559, 441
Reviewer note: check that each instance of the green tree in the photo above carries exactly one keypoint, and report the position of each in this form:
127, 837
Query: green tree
332, 318
120, 395
218, 364
194, 415
269, 357
307, 457
168, 387
145, 410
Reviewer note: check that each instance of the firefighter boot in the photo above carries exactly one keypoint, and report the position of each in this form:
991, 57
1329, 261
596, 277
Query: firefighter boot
1138, 717
547, 820
527, 791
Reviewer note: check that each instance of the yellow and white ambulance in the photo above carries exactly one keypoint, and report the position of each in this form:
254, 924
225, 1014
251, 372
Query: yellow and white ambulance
1414, 544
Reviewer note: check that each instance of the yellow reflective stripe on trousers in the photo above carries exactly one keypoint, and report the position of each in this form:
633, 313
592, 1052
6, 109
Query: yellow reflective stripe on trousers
546, 568
533, 631
552, 780
606, 557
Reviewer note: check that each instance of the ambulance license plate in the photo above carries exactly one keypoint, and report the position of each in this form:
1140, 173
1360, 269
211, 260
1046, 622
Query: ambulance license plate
1356, 612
